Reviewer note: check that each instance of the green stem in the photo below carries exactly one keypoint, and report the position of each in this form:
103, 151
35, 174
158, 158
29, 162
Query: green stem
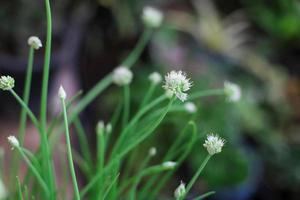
46, 66
148, 95
26, 94
69, 151
126, 108
203, 196
27, 109
211, 92
34, 171
196, 175
19, 189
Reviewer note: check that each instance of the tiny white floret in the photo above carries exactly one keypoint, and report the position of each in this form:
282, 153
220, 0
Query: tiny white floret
35, 42
190, 107
13, 141
108, 128
169, 165
122, 76
155, 78
152, 17
214, 144
178, 84
152, 151
180, 191
232, 91
100, 127
62, 93
7, 82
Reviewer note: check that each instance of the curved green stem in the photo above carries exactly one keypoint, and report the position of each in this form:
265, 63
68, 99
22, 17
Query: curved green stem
196, 175
69, 151
126, 107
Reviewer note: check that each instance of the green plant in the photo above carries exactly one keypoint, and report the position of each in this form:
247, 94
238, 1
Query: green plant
106, 176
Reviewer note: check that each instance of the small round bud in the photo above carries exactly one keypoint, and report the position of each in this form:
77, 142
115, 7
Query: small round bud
214, 144
190, 107
100, 127
152, 151
108, 128
13, 141
152, 17
232, 91
180, 191
169, 165
122, 76
62, 93
35, 42
177, 83
7, 83
155, 78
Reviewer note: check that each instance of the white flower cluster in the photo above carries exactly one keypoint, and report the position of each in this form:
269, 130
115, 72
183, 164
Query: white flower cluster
190, 107
176, 83
101, 128
122, 76
152, 17
214, 144
232, 91
155, 78
7, 82
13, 141
34, 42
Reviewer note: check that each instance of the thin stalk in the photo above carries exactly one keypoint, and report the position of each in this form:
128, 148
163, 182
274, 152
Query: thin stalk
205, 195
26, 95
34, 171
126, 106
211, 92
45, 81
196, 176
100, 159
83, 141
19, 189
27, 109
148, 95
69, 151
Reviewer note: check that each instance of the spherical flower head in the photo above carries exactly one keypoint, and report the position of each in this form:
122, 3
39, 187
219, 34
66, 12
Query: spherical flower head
155, 78
62, 93
122, 76
152, 151
35, 42
152, 17
180, 191
7, 83
214, 144
190, 107
232, 91
177, 83
169, 165
13, 141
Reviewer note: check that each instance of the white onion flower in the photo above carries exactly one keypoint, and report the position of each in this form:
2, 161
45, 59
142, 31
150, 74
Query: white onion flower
169, 165
62, 93
152, 151
13, 141
232, 91
190, 107
180, 191
214, 144
177, 83
155, 78
34, 42
152, 17
122, 76
7, 82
